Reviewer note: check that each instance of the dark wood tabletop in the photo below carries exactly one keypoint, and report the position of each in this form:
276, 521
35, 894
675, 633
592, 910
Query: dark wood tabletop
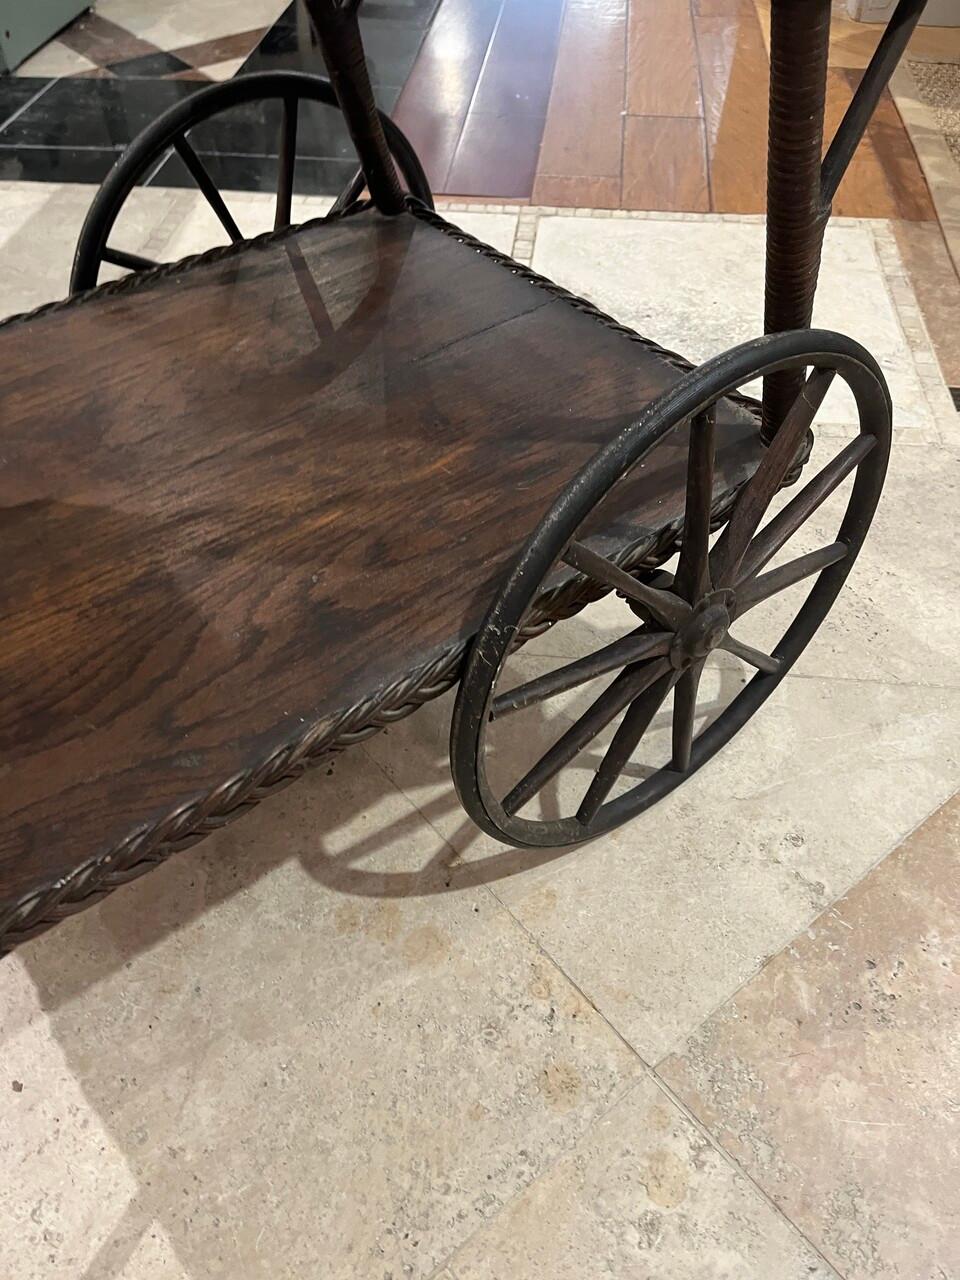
238, 498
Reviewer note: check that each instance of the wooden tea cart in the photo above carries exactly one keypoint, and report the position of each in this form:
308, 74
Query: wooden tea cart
262, 502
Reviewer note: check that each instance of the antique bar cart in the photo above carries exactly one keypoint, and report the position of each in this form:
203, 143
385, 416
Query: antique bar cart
260, 503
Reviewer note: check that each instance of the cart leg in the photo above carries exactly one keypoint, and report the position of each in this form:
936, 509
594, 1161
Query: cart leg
799, 41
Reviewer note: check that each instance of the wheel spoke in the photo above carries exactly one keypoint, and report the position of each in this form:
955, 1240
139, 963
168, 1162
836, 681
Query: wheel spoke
632, 648
799, 509
629, 732
747, 653
755, 497
693, 570
206, 185
131, 261
756, 590
684, 715
666, 608
287, 160
628, 685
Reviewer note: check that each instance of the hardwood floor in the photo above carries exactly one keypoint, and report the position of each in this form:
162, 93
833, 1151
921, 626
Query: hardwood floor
636, 104
735, 74
583, 134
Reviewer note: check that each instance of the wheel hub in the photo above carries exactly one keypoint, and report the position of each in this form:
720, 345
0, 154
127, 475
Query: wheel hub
704, 631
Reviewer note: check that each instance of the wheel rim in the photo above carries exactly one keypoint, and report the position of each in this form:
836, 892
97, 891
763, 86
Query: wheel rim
686, 618
169, 133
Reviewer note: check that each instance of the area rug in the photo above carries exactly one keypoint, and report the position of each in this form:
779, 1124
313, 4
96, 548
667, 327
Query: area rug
939, 86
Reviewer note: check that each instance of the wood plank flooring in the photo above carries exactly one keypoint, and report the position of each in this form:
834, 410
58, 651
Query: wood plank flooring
636, 104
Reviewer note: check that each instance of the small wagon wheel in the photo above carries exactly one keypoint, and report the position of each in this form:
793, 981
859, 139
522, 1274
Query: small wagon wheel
686, 616
169, 134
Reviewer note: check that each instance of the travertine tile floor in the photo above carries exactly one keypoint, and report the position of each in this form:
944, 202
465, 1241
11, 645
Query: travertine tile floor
349, 1037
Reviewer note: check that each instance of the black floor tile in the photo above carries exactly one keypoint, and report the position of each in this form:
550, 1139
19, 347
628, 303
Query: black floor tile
391, 48
55, 164
313, 176
253, 129
291, 15
416, 13
392, 34
75, 129
149, 66
282, 49
93, 113
16, 92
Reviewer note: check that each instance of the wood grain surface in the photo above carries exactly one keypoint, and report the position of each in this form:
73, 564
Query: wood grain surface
237, 499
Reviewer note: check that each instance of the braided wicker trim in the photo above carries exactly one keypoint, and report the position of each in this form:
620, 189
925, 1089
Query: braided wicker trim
188, 824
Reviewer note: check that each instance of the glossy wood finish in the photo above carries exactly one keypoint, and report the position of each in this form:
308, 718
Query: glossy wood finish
734, 68
614, 67
582, 138
239, 498
477, 98
663, 73
664, 164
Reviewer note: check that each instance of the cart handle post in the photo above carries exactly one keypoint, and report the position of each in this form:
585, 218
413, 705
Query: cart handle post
801, 188
338, 33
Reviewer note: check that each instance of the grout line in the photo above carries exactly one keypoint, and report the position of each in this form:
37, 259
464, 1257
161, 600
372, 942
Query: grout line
891, 683
659, 115
644, 1075
473, 95
794, 938
738, 1168
79, 146
707, 164
678, 1101
648, 1072
624, 93
29, 103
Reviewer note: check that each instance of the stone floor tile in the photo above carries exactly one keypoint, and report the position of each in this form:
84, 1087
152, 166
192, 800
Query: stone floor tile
642, 1196
832, 1077
253, 1037
661, 921
643, 272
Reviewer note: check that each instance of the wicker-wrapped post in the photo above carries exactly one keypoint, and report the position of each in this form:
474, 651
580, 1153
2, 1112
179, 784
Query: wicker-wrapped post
799, 42
800, 189
338, 32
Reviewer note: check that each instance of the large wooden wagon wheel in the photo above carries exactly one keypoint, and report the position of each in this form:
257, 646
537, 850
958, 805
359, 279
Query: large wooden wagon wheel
275, 93
685, 617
